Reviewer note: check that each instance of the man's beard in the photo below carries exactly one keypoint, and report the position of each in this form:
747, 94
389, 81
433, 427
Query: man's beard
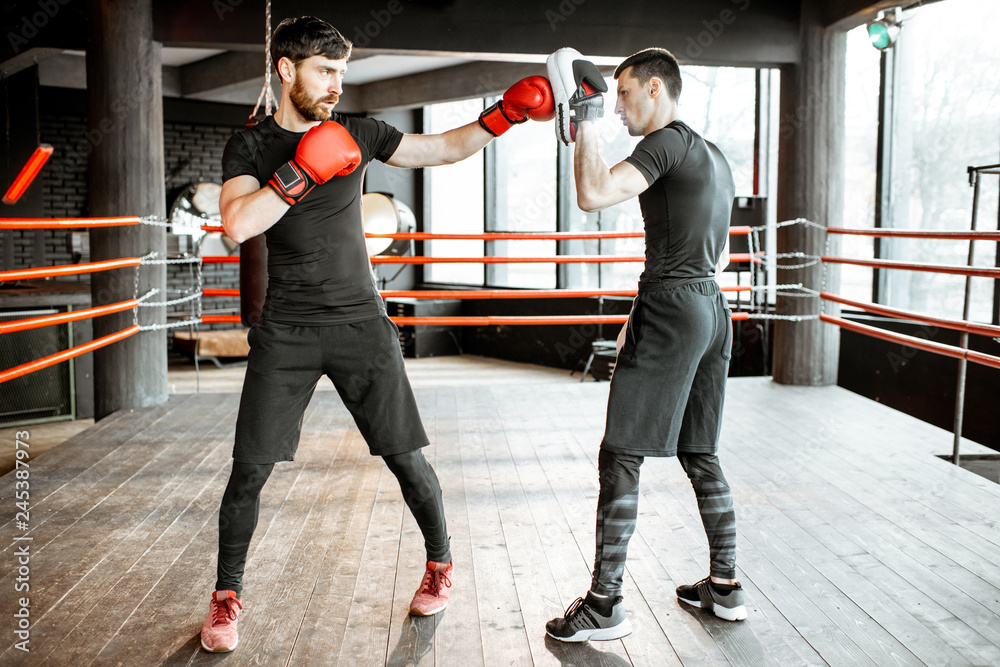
308, 108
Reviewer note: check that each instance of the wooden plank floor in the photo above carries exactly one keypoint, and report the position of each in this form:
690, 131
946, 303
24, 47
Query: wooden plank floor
857, 546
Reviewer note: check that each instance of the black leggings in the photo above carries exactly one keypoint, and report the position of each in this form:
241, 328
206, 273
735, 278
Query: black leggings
241, 505
618, 509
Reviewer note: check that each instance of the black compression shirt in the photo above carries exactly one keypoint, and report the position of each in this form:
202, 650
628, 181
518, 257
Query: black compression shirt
687, 206
317, 265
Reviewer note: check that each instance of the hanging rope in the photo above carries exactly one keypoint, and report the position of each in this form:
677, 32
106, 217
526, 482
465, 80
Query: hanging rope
266, 94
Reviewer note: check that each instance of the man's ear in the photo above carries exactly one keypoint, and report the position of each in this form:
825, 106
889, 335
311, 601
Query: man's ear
286, 69
655, 86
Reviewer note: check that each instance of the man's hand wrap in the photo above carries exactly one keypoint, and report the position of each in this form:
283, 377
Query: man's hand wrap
325, 151
578, 87
528, 98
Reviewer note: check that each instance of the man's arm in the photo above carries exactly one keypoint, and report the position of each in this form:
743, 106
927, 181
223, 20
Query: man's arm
723, 259
431, 150
248, 209
597, 186
529, 98
324, 152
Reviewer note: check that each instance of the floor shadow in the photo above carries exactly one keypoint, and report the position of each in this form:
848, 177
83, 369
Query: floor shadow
583, 654
184, 654
738, 640
415, 641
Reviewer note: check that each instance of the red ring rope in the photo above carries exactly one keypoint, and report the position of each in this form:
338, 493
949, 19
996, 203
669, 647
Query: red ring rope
501, 320
61, 318
559, 259
53, 359
504, 236
220, 319
483, 321
489, 294
913, 341
69, 269
958, 325
919, 234
980, 272
65, 223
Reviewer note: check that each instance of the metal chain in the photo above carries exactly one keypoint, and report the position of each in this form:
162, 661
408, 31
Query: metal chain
200, 286
154, 221
786, 223
752, 247
178, 260
761, 288
151, 293
826, 270
804, 265
811, 294
794, 255
135, 289
172, 302
172, 325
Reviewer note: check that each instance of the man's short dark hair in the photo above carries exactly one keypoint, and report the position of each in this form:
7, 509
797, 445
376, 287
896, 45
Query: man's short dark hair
654, 62
307, 36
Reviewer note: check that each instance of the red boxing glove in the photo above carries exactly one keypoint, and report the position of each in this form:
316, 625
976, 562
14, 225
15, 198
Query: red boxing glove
325, 151
528, 98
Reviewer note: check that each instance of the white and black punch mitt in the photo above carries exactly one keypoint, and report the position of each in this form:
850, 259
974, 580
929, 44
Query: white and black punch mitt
577, 89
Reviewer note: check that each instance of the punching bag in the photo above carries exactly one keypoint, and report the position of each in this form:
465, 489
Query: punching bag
253, 279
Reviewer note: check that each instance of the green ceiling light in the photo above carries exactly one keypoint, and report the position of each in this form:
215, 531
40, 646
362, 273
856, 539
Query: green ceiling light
884, 29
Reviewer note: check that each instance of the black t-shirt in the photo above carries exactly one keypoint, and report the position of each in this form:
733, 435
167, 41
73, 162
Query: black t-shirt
317, 264
687, 206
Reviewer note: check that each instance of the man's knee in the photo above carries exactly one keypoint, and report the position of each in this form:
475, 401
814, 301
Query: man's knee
619, 473
413, 472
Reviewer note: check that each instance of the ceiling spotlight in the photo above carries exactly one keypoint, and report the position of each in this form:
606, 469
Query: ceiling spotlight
885, 28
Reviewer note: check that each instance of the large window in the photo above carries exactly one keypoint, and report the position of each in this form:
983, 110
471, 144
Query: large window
860, 153
943, 73
525, 183
716, 102
456, 194
526, 194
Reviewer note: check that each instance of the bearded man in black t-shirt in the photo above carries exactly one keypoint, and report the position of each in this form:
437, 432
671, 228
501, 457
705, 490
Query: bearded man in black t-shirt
669, 381
296, 177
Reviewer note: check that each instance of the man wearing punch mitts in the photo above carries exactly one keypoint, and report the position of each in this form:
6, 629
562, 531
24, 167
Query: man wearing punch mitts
296, 178
669, 382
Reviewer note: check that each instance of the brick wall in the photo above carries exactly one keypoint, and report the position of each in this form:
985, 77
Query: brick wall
192, 154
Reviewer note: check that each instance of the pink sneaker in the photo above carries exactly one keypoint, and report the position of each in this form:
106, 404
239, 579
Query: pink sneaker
432, 596
218, 635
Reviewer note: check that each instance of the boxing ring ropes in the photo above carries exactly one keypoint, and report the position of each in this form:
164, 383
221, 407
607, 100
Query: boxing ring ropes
754, 259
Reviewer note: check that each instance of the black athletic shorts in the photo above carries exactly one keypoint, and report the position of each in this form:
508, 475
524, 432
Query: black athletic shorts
364, 362
669, 381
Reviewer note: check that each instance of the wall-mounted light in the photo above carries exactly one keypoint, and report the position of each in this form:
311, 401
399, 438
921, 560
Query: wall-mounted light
885, 28
384, 214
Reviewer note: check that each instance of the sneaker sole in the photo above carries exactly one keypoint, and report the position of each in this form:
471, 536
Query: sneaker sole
623, 629
726, 613
417, 612
220, 649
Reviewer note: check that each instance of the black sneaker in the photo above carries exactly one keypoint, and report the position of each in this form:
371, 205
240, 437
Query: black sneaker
729, 606
582, 622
